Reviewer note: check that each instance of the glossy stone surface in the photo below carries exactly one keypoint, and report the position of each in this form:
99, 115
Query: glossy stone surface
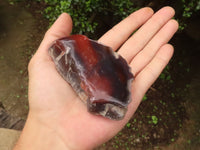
100, 77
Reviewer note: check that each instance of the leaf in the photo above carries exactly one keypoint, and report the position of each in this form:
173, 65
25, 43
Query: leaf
154, 119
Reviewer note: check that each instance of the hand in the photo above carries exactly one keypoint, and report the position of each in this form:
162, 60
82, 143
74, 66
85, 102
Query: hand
57, 116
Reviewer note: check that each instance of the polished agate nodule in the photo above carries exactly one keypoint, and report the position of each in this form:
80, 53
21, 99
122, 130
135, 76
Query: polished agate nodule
100, 77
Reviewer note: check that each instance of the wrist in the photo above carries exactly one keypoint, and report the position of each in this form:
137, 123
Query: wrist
36, 136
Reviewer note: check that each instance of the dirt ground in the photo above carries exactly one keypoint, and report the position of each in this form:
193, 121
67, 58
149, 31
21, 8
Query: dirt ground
16, 27
19, 38
168, 117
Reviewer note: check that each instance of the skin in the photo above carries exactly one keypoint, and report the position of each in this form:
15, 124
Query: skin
57, 118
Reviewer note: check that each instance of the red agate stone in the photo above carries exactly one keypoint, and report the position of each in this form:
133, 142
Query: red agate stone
100, 77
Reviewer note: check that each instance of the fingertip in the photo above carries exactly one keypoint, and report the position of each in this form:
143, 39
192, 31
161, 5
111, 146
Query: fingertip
168, 9
169, 47
175, 23
170, 28
163, 15
66, 16
166, 52
148, 10
62, 26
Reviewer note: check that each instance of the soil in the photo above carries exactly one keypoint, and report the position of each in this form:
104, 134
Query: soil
18, 30
168, 117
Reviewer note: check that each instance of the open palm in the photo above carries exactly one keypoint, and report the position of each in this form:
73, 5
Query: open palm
53, 102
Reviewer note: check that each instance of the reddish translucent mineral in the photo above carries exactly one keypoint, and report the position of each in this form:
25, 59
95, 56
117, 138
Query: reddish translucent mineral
100, 77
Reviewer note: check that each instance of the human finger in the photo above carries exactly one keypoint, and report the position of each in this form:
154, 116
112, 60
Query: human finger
120, 32
137, 42
147, 77
62, 27
147, 54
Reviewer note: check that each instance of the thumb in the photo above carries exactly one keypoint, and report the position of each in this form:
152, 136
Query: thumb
62, 27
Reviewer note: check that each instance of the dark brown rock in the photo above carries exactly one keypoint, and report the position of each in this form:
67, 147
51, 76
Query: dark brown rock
100, 77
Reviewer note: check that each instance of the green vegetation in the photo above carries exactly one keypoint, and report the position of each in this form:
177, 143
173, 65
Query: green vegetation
165, 75
128, 125
154, 119
144, 98
188, 8
85, 12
